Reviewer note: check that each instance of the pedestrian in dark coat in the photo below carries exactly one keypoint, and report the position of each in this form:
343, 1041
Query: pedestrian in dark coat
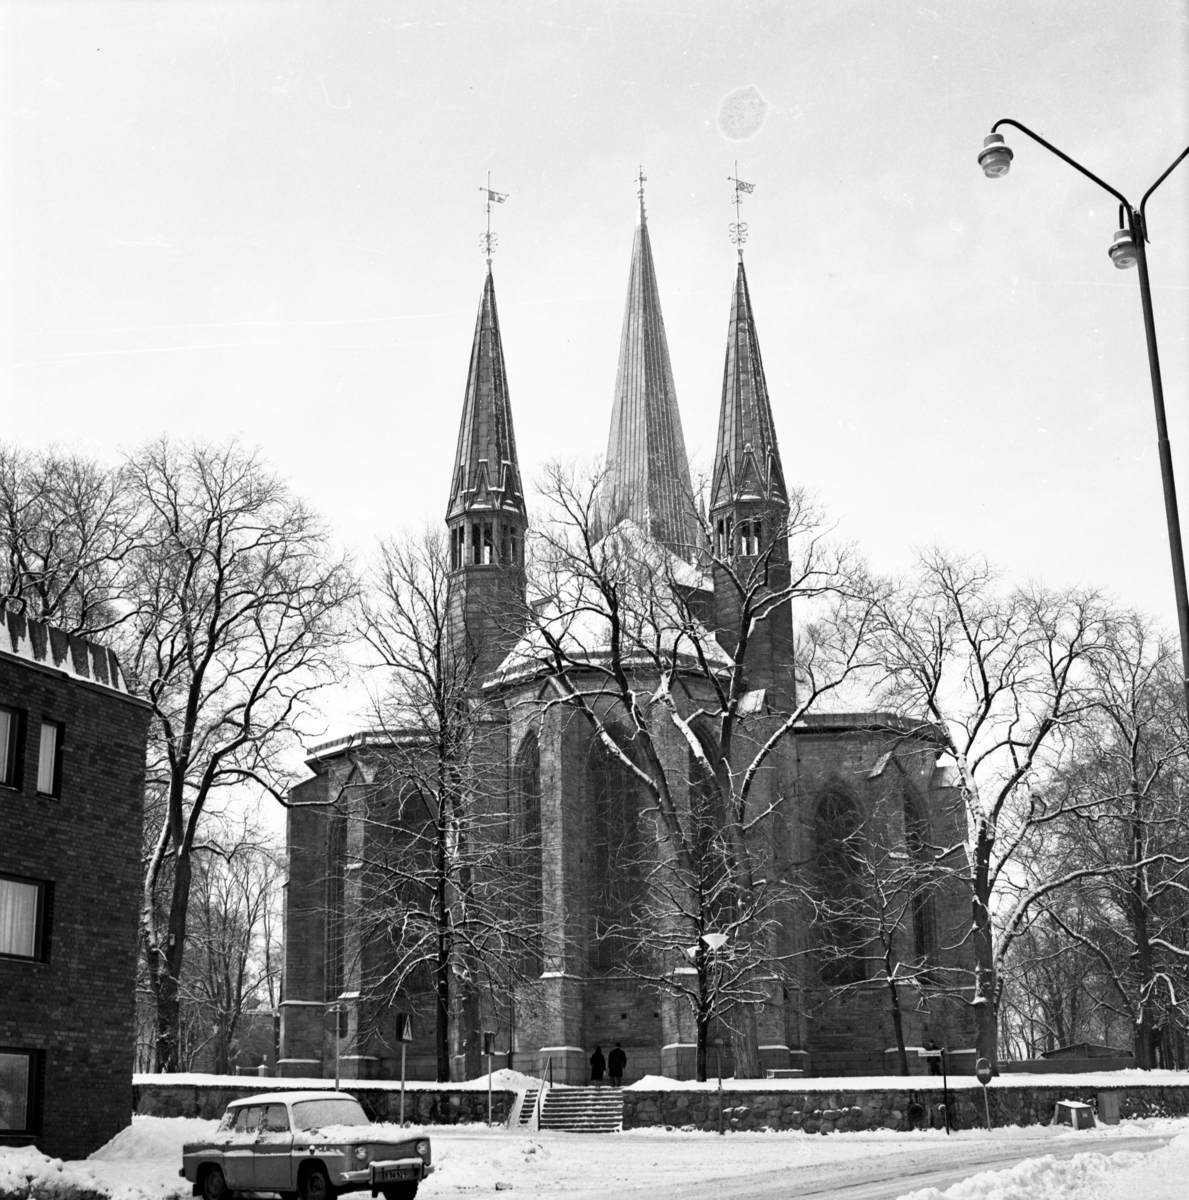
616, 1063
598, 1064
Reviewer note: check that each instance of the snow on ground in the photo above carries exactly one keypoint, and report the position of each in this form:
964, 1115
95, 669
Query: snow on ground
1127, 1175
141, 1162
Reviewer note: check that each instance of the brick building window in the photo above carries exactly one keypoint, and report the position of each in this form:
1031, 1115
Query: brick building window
11, 730
49, 759
20, 1090
25, 906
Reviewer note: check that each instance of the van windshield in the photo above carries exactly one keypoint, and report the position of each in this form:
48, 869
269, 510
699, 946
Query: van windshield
314, 1114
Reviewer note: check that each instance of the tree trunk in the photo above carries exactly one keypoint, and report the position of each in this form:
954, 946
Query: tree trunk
703, 1023
985, 1000
897, 1023
747, 1046
171, 955
1145, 1025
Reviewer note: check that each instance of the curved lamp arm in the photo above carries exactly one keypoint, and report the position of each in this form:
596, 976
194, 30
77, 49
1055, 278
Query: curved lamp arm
1077, 166
1158, 182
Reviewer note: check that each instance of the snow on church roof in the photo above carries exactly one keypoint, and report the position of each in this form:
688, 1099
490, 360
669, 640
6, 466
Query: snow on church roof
54, 649
659, 630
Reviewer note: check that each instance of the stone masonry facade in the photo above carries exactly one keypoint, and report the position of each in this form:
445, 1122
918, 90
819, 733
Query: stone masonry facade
67, 1009
547, 769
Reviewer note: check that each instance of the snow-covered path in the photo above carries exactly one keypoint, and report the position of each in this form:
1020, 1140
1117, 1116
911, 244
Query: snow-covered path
1133, 1161
663, 1165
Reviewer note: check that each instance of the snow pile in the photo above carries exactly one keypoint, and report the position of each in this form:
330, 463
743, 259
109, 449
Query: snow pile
27, 1173
154, 1137
1160, 1175
1047, 1178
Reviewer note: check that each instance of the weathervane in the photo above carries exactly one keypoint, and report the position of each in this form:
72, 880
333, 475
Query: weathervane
488, 240
738, 230
640, 179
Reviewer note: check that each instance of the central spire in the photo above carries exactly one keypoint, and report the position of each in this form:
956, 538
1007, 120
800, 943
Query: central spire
648, 479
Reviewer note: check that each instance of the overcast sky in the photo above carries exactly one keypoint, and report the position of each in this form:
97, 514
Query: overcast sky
263, 219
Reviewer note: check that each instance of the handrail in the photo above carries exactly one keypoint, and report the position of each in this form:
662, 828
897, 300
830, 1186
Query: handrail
540, 1104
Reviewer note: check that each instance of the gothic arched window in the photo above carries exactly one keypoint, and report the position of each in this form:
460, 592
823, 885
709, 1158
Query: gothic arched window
336, 852
916, 843
838, 837
526, 851
615, 868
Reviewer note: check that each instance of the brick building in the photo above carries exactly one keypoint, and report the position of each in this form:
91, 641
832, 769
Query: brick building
554, 778
72, 757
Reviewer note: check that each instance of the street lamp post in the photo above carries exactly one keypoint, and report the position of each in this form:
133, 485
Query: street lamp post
1128, 249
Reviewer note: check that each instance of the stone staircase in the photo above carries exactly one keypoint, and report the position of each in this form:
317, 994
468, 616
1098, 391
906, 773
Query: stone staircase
576, 1109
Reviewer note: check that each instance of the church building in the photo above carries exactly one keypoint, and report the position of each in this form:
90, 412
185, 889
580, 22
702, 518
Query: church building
573, 807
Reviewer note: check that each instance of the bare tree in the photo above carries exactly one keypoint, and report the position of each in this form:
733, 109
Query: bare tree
999, 677
239, 618
626, 635
1125, 830
232, 967
870, 890
453, 886
67, 529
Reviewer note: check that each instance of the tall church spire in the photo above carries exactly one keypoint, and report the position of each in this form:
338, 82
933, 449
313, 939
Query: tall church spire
486, 472
648, 477
747, 459
486, 515
749, 511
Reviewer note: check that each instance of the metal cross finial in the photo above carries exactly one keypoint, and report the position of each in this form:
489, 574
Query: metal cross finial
738, 230
488, 240
640, 191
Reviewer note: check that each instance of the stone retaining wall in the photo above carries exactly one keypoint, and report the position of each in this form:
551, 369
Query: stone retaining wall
423, 1105
899, 1109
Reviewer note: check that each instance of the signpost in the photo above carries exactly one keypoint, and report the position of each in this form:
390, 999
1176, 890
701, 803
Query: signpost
404, 1035
338, 1012
982, 1070
945, 1082
489, 1050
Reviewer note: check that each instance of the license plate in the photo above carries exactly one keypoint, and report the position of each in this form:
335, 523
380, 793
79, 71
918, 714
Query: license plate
395, 1174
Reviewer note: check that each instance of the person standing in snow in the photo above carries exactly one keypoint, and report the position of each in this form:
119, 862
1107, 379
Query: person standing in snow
597, 1065
616, 1063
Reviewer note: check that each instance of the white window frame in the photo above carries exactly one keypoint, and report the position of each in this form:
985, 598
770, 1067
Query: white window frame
26, 945
9, 724
30, 1084
49, 757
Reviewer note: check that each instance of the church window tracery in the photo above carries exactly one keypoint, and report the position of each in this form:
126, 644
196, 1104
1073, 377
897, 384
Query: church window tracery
838, 837
615, 866
916, 839
526, 850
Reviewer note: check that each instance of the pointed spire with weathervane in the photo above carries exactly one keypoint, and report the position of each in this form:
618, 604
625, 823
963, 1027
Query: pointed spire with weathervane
486, 515
747, 469
749, 503
648, 478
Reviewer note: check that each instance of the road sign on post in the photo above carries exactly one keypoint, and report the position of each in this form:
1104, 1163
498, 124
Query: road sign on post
404, 1035
983, 1072
945, 1081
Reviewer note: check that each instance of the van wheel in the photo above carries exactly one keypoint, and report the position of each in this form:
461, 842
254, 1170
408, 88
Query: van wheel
315, 1185
214, 1186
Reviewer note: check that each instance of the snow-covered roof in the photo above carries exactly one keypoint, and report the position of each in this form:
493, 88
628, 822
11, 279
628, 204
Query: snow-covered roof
56, 650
